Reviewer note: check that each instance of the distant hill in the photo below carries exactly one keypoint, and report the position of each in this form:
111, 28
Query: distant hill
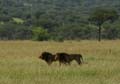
22, 7
53, 15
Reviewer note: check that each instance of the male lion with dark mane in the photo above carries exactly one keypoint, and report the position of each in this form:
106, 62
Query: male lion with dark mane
48, 57
77, 57
62, 58
65, 58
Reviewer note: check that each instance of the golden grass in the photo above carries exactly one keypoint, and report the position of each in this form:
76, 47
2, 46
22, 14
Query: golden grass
19, 63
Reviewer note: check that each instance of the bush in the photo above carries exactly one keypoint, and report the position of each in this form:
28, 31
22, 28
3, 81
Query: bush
57, 38
40, 34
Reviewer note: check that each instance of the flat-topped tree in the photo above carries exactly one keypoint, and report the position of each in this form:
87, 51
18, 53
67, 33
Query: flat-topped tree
101, 15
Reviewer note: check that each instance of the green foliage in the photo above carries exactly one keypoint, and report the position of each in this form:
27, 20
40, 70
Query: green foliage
11, 31
111, 31
100, 15
18, 20
57, 38
5, 18
40, 34
62, 19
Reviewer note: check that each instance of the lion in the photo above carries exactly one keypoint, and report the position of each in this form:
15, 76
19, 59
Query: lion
77, 57
62, 58
48, 57
65, 58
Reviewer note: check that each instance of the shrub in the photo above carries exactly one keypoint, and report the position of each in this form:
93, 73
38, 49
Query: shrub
40, 34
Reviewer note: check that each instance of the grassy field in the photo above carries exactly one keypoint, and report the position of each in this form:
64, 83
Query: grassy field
19, 63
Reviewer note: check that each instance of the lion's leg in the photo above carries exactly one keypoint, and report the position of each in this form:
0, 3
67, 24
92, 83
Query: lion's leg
78, 61
59, 63
49, 62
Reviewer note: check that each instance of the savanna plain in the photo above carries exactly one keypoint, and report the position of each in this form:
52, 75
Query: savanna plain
19, 63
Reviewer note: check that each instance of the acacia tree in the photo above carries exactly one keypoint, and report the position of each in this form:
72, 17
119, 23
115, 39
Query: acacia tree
101, 15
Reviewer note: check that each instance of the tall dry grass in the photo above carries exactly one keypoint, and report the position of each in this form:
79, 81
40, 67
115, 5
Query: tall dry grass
19, 63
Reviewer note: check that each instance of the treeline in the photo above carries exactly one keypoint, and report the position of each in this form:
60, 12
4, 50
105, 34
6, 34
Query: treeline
54, 20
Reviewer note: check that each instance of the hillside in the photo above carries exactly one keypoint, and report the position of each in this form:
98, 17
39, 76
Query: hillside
53, 15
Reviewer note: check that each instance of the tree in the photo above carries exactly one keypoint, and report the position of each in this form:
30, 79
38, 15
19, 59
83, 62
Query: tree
12, 31
40, 34
101, 15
